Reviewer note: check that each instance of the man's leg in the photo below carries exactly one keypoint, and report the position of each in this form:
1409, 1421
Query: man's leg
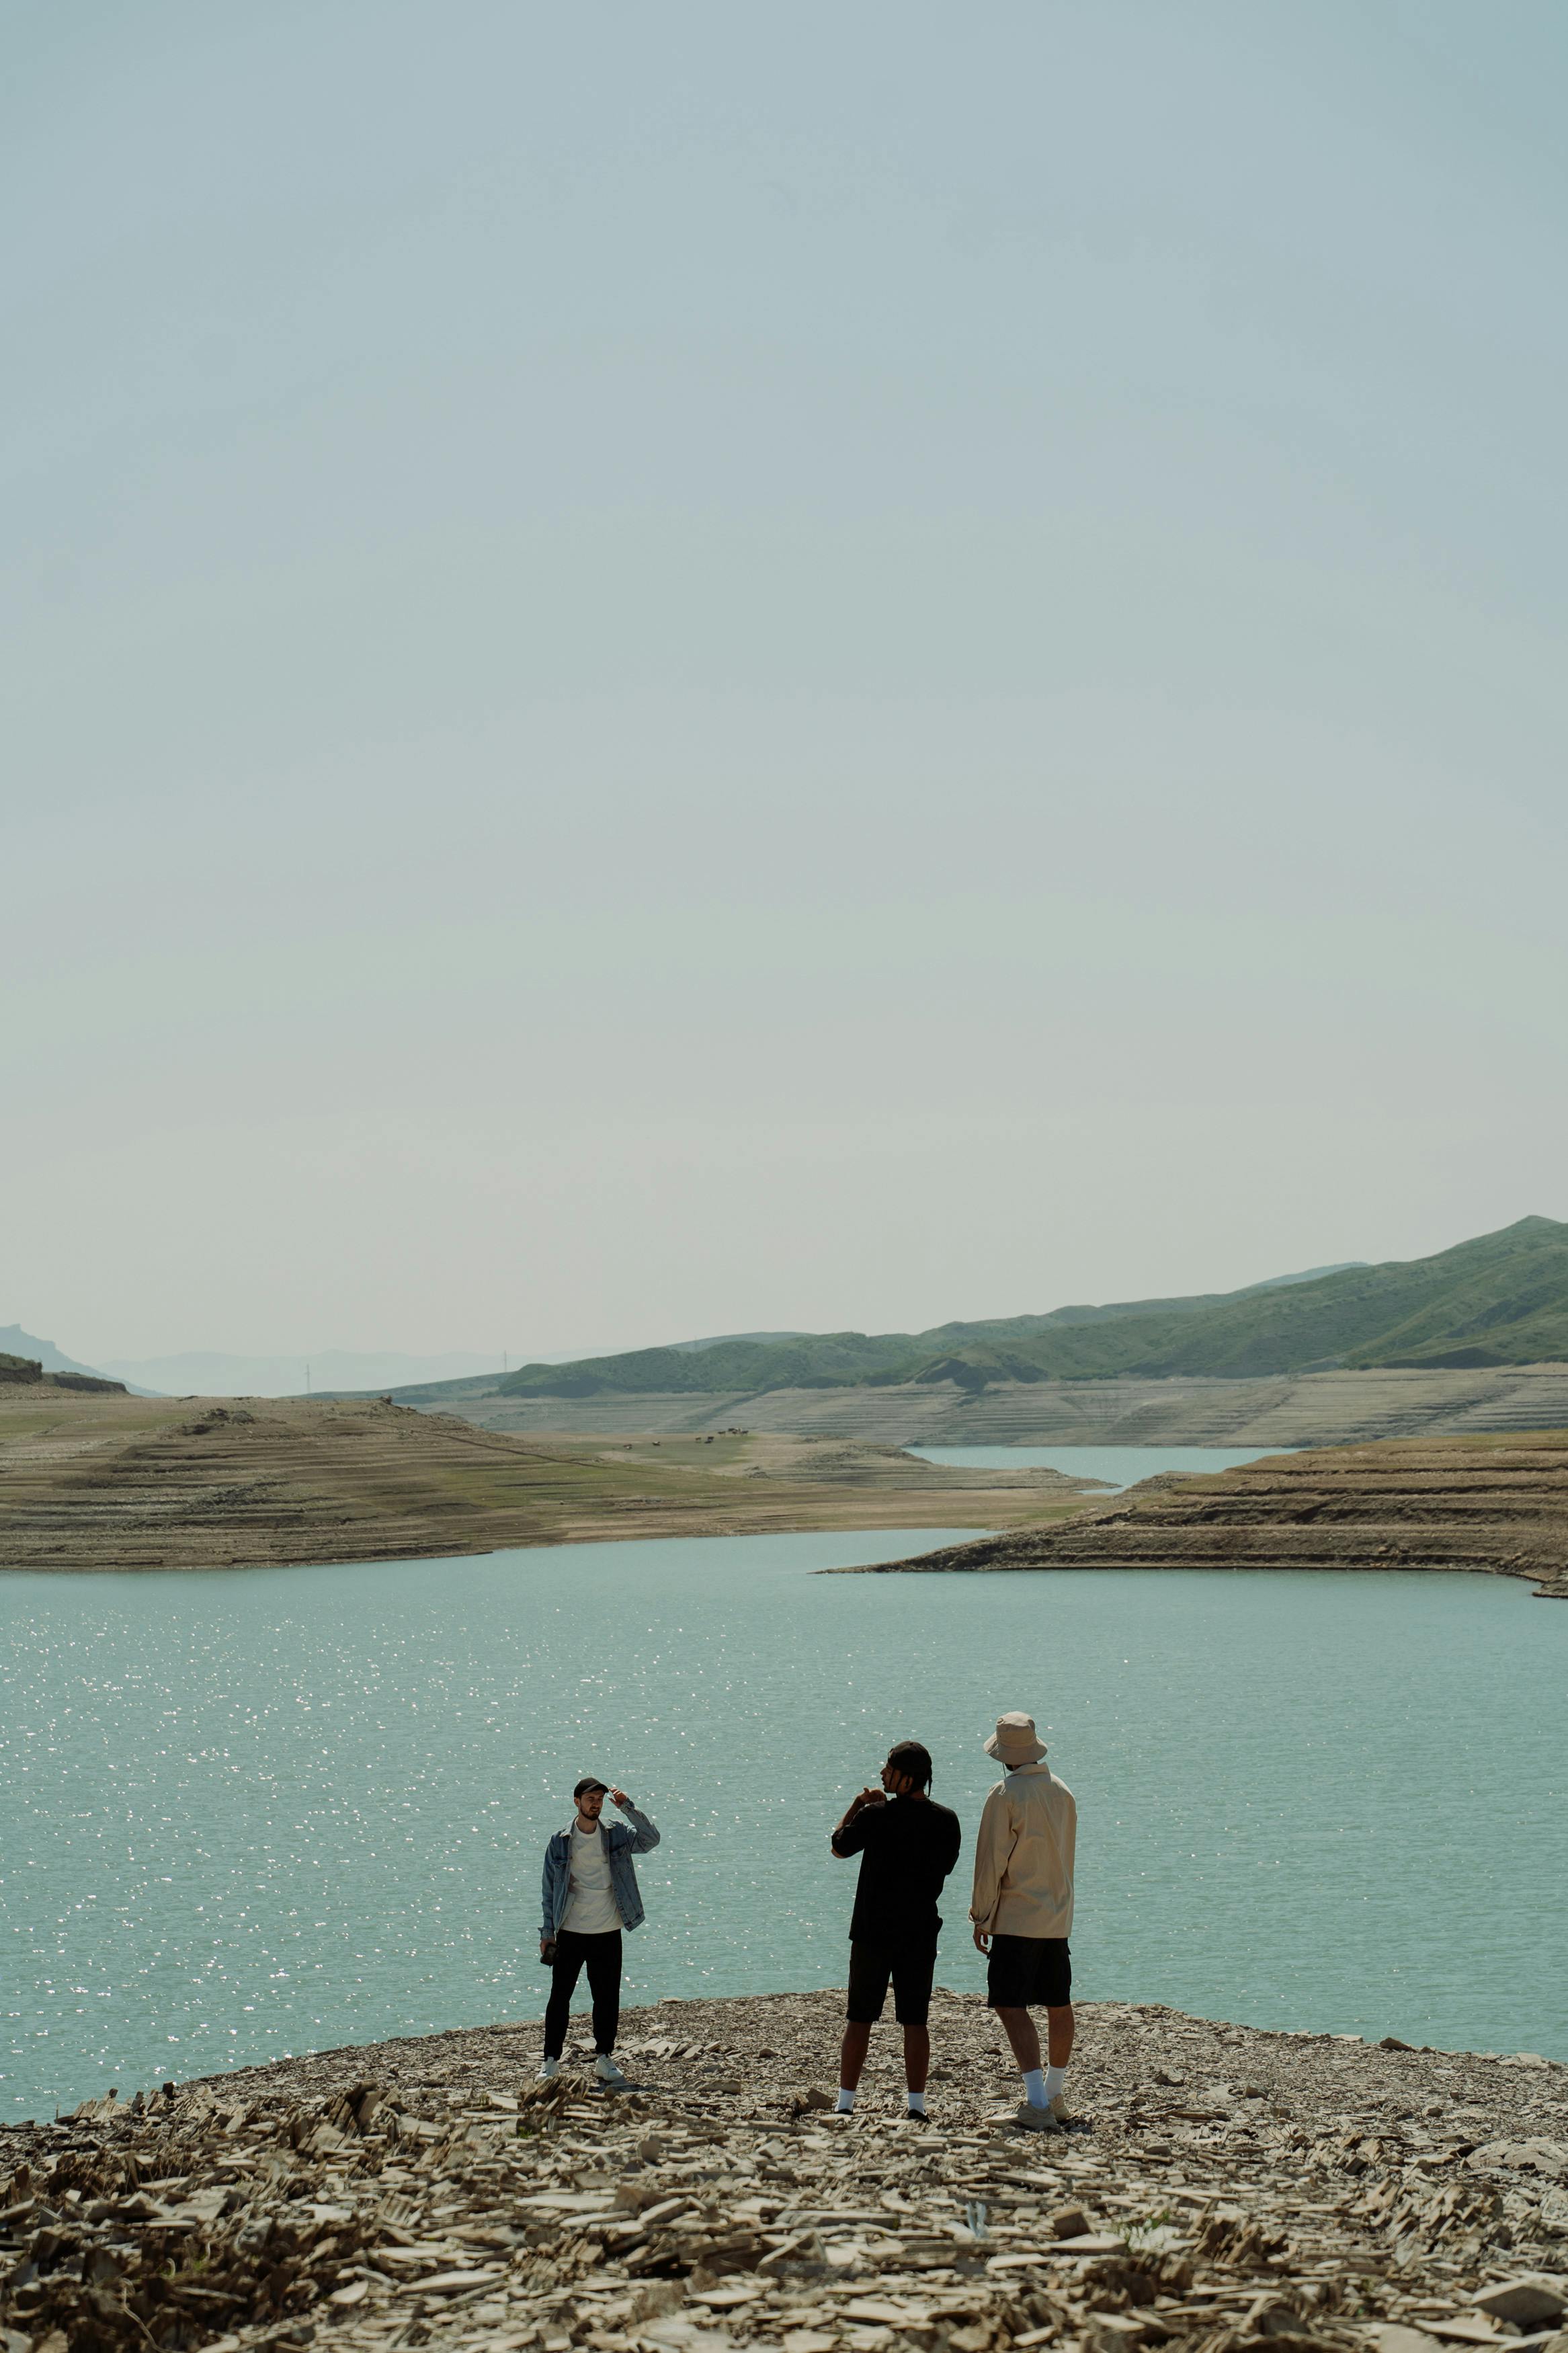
1024, 2036
1058, 2047
913, 1974
1020, 2030
870, 1969
1035, 1971
1010, 1987
1054, 1987
852, 2052
605, 1985
563, 1978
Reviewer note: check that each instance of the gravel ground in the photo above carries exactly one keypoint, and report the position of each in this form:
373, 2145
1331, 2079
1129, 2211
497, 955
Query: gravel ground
1223, 2188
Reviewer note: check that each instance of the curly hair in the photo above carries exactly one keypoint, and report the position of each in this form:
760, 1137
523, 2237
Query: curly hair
910, 1758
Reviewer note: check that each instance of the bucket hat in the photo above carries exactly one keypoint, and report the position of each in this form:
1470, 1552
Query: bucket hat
1013, 1742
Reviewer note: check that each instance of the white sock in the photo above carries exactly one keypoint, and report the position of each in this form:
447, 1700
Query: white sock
917, 2104
846, 2099
1055, 2078
1034, 2088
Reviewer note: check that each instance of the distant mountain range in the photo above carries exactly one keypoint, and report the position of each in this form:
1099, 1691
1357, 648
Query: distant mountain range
212, 1372
207, 1372
1499, 1300
15, 1342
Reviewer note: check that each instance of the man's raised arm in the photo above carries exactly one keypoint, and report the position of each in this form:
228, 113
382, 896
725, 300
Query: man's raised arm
849, 1835
644, 1834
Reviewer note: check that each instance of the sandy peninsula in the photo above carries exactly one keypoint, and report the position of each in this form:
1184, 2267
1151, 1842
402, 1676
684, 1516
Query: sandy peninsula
119, 1483
1497, 1504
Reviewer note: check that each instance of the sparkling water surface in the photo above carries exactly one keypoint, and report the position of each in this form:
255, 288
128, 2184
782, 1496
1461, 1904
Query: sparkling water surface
255, 1812
1118, 1466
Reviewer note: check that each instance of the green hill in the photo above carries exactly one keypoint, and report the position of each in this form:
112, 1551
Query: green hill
1500, 1300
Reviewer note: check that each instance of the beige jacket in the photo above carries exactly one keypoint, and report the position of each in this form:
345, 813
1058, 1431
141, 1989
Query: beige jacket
1023, 1856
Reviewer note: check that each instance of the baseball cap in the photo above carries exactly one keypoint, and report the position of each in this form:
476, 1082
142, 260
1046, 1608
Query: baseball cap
588, 1782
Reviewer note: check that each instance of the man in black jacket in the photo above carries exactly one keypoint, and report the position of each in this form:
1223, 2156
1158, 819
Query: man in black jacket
907, 1846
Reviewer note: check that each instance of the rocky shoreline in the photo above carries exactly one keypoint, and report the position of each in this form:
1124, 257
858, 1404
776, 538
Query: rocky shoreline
1223, 2188
1498, 1505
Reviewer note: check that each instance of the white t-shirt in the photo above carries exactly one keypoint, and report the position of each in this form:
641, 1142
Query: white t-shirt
590, 1906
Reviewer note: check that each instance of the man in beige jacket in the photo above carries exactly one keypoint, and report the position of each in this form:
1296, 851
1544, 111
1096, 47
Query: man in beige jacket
1022, 1911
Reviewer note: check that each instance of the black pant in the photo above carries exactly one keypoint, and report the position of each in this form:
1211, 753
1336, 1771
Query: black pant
603, 1955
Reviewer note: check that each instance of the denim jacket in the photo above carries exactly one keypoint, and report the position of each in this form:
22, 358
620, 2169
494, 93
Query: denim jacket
621, 1843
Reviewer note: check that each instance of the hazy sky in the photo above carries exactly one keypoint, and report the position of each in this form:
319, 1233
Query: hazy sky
679, 668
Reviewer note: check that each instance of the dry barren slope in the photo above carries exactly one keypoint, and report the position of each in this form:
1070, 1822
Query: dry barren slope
1284, 1409
105, 1483
1498, 1505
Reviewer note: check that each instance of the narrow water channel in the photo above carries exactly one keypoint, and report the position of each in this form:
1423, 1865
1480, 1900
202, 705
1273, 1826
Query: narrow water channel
1111, 1466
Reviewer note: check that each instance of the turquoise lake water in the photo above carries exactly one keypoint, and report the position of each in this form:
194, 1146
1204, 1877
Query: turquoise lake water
1119, 1466
271, 1811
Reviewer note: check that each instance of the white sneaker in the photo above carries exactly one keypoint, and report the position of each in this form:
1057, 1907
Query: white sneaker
606, 2069
549, 2070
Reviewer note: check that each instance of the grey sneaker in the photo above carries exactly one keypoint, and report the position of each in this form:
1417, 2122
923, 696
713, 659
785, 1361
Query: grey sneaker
1028, 2118
606, 2069
548, 2070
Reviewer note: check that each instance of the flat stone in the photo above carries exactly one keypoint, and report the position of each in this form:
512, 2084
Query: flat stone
568, 2201
449, 2283
1535, 2153
1526, 2301
652, 2216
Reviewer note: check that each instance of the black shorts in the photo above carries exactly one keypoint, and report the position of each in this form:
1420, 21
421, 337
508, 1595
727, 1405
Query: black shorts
1026, 1972
870, 1967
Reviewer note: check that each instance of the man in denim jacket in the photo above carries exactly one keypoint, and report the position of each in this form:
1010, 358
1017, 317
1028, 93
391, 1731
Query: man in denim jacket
590, 1895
